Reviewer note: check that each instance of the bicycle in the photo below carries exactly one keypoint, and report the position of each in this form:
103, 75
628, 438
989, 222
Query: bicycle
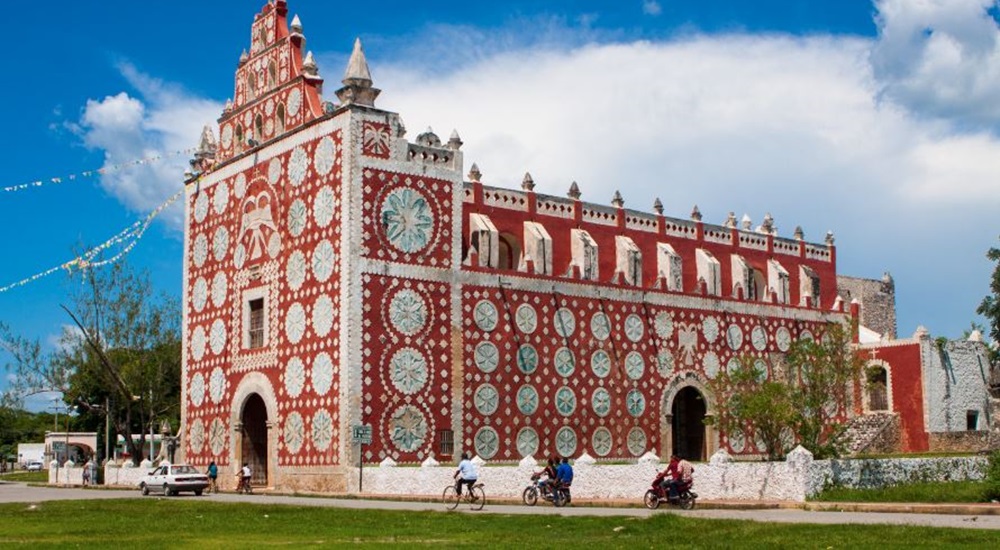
243, 486
475, 496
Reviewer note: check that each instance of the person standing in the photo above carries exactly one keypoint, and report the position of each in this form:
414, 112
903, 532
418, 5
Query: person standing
213, 476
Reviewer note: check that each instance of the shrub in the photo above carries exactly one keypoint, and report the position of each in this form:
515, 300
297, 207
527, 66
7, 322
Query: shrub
991, 484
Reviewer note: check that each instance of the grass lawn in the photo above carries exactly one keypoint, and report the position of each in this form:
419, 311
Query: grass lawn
192, 522
956, 491
27, 477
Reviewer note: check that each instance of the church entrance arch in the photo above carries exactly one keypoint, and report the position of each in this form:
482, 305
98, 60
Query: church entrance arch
688, 424
253, 436
688, 408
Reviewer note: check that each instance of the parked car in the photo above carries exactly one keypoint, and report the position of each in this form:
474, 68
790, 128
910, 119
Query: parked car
35, 466
171, 479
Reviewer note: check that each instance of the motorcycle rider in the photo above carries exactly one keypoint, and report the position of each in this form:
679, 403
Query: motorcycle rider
550, 476
682, 472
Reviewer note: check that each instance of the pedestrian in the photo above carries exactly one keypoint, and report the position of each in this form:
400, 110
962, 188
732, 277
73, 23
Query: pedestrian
86, 474
213, 475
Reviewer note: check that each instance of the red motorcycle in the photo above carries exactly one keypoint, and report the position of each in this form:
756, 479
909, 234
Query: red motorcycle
660, 492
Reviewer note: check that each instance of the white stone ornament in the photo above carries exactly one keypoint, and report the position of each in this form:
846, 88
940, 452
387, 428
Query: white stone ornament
564, 322
221, 198
196, 390
407, 428
566, 442
527, 442
217, 337
322, 315
198, 342
565, 401
322, 373
220, 286
240, 187
295, 323
323, 207
294, 102
600, 401
601, 441
199, 294
710, 329
783, 339
635, 403
408, 220
527, 358
711, 365
734, 337
665, 362
322, 430
408, 370
407, 312
295, 377
636, 441
485, 315
323, 260
297, 215
600, 363
227, 136
664, 325
486, 399
216, 385
220, 243
217, 437
200, 252
201, 207
197, 436
634, 328
273, 245
564, 362
526, 318
806, 335
487, 443
325, 156
600, 326
527, 399
298, 166
295, 271
274, 171
486, 356
758, 338
239, 256
635, 365
294, 433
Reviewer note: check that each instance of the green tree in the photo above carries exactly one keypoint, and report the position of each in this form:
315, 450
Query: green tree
120, 360
799, 397
990, 306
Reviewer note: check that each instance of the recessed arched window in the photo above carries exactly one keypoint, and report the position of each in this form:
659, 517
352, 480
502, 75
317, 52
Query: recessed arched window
251, 86
878, 389
280, 118
258, 129
510, 251
272, 75
239, 137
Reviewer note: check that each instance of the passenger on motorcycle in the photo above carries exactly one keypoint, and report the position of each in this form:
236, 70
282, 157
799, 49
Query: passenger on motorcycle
550, 476
564, 474
681, 470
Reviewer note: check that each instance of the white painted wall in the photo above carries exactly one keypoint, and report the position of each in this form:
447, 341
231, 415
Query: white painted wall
955, 386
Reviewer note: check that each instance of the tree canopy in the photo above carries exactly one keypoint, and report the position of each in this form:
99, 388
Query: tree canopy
990, 306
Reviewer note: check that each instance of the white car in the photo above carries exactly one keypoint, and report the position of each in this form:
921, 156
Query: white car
171, 479
35, 466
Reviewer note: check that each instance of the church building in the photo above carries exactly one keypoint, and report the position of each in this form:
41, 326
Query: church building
338, 276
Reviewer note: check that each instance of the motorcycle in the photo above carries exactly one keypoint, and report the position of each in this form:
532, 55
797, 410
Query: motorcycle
536, 489
660, 493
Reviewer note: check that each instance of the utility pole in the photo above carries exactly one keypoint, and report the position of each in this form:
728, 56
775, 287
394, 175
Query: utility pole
107, 429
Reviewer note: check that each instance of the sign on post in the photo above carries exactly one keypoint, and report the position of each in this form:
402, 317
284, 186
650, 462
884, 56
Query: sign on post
362, 434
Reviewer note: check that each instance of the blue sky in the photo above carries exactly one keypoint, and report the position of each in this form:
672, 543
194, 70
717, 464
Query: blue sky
878, 121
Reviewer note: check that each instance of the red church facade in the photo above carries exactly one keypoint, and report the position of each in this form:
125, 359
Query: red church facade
338, 275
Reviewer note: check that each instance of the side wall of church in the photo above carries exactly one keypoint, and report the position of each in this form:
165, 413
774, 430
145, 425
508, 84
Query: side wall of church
902, 359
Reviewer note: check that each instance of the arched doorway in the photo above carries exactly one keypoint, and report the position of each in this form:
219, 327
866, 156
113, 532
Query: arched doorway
688, 424
878, 384
254, 437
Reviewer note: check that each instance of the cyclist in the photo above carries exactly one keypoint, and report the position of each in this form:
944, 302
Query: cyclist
466, 475
245, 474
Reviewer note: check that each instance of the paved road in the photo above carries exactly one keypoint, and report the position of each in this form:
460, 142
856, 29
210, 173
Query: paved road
19, 492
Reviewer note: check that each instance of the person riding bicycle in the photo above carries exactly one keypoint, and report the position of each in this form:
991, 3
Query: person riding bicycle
564, 476
245, 474
466, 475
682, 471
550, 476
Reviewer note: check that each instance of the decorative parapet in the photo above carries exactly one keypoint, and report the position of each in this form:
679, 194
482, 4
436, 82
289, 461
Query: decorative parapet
599, 215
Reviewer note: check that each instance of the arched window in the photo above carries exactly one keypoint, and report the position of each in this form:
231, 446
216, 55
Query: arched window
878, 389
239, 138
280, 117
258, 129
251, 86
510, 251
272, 75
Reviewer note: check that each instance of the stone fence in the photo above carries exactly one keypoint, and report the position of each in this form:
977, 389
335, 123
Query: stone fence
119, 475
794, 479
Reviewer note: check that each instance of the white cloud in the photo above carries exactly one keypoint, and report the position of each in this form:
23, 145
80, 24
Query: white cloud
161, 120
651, 7
941, 58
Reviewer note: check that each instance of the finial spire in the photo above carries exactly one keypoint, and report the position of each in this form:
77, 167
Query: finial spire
696, 214
309, 65
527, 183
658, 206
574, 191
358, 80
455, 141
799, 233
474, 173
617, 201
730, 222
296, 24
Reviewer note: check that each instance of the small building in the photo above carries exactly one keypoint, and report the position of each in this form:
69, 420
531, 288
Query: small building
76, 446
30, 452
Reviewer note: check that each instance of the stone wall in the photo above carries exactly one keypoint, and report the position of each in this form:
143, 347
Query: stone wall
970, 441
878, 301
956, 380
886, 472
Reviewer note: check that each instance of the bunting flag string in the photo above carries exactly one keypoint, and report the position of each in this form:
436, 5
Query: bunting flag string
99, 172
129, 237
